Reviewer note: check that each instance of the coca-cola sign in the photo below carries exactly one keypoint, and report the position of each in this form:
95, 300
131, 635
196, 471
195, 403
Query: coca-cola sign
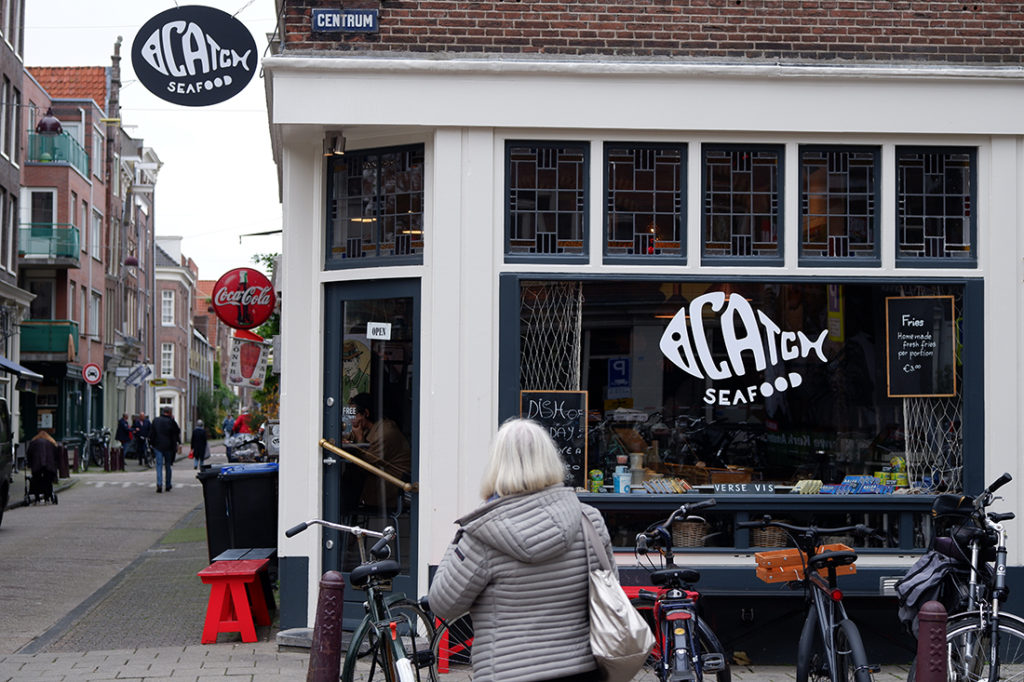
243, 298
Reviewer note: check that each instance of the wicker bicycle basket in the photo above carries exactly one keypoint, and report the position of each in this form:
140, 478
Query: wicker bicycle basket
768, 537
689, 533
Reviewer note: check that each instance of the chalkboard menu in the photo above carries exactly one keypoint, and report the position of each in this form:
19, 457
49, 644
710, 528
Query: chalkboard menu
564, 415
920, 346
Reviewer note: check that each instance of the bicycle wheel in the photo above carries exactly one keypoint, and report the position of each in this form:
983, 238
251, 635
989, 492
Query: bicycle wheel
451, 649
96, 453
654, 671
83, 458
416, 632
969, 655
851, 659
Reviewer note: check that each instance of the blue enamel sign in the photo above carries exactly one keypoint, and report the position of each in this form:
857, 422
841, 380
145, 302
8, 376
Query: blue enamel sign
345, 20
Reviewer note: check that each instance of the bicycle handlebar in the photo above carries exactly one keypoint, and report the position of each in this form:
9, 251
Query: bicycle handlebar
389, 532
658, 533
858, 529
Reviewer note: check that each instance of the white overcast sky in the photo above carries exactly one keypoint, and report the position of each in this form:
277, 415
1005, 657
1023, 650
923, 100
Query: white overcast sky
218, 179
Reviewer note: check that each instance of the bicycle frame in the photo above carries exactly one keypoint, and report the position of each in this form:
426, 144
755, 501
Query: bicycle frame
390, 651
821, 593
986, 612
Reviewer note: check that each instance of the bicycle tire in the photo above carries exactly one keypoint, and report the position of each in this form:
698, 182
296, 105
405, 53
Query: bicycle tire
965, 632
451, 649
366, 665
83, 458
811, 662
709, 643
96, 453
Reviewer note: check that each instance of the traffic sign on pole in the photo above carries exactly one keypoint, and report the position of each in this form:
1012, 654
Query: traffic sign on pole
92, 373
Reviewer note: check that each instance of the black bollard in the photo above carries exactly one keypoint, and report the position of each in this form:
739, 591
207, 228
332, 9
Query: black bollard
325, 652
931, 643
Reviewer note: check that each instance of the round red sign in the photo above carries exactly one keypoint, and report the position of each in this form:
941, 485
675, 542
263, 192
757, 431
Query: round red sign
243, 298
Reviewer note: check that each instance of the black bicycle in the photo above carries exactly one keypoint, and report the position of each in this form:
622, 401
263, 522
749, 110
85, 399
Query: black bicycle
685, 646
93, 447
983, 642
830, 646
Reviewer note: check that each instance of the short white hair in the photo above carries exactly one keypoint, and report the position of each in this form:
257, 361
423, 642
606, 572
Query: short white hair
523, 459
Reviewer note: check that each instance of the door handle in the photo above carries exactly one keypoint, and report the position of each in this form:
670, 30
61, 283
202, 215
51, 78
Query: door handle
330, 461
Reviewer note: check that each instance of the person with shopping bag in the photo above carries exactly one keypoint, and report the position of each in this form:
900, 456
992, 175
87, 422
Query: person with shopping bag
519, 565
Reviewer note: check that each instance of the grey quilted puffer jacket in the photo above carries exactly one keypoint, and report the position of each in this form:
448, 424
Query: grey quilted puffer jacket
518, 565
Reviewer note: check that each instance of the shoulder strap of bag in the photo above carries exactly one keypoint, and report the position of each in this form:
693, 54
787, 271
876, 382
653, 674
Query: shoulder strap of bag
590, 537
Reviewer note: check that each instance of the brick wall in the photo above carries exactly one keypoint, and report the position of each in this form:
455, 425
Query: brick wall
794, 31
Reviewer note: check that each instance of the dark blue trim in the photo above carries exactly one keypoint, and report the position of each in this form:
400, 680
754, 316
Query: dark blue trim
293, 573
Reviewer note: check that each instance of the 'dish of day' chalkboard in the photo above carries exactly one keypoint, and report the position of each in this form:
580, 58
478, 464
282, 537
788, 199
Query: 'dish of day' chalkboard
920, 346
564, 415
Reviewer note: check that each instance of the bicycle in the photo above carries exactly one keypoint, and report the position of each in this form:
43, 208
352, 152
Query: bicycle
830, 645
395, 631
451, 647
680, 652
982, 642
92, 447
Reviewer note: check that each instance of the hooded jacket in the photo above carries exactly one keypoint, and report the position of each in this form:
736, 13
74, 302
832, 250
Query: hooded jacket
518, 566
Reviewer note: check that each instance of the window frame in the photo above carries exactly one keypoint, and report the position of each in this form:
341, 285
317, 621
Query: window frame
966, 262
751, 260
679, 258
839, 262
332, 262
583, 146
167, 360
167, 308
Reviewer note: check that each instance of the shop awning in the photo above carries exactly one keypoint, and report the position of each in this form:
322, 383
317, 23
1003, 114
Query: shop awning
14, 368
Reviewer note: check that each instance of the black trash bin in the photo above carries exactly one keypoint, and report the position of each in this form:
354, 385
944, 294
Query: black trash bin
241, 506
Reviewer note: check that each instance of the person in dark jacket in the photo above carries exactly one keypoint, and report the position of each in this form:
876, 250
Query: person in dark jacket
123, 434
198, 443
519, 566
165, 435
141, 427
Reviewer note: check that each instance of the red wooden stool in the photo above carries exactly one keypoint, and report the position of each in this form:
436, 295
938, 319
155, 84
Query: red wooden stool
228, 609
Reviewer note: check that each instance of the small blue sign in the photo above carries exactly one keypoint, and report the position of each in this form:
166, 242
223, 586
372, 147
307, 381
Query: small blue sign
345, 20
618, 373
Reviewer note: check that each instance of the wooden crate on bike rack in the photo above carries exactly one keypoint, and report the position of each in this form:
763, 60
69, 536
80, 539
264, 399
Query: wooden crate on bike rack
785, 565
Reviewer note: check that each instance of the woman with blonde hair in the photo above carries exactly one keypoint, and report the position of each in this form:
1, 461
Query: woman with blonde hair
518, 565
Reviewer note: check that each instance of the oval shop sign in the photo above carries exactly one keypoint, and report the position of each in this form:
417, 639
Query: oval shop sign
194, 55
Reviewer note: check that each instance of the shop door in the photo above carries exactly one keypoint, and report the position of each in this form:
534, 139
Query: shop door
370, 410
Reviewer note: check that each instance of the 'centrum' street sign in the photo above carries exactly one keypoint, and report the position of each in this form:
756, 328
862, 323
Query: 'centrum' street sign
345, 21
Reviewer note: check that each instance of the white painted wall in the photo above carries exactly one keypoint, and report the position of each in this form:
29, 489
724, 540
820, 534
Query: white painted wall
464, 110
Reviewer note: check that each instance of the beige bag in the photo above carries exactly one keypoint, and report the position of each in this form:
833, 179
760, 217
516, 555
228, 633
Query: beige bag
619, 637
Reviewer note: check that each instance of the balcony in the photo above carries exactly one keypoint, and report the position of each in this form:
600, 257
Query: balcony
49, 340
48, 245
58, 149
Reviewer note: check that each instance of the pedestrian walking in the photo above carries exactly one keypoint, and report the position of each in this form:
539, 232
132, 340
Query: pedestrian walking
199, 445
526, 537
166, 441
141, 427
226, 427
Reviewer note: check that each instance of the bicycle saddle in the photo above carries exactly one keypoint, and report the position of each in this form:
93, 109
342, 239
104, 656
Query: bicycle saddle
826, 559
668, 576
384, 570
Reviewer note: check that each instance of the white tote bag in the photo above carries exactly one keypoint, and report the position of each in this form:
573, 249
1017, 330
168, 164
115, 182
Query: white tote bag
619, 637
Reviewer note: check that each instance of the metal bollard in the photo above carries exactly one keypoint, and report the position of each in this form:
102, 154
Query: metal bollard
325, 652
931, 642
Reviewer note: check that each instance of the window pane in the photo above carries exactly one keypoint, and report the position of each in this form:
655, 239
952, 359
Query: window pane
838, 217
546, 198
644, 200
742, 198
934, 198
375, 204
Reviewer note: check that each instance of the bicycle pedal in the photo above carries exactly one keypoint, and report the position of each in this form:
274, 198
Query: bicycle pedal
713, 663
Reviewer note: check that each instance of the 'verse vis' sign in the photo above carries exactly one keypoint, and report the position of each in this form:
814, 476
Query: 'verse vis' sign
194, 55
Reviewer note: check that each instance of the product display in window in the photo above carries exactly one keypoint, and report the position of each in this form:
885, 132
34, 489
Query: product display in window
755, 387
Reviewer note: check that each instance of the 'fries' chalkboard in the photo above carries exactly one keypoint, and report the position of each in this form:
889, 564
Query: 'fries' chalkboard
920, 346
564, 415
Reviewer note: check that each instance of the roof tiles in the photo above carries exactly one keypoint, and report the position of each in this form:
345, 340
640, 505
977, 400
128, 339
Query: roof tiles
73, 82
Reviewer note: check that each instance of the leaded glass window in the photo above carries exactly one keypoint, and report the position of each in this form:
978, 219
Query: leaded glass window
375, 206
546, 184
935, 200
644, 201
839, 205
742, 212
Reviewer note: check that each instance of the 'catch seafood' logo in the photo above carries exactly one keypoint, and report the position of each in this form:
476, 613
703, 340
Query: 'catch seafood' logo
194, 55
753, 343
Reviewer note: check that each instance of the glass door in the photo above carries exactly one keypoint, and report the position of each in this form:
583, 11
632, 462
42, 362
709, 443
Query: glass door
371, 412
